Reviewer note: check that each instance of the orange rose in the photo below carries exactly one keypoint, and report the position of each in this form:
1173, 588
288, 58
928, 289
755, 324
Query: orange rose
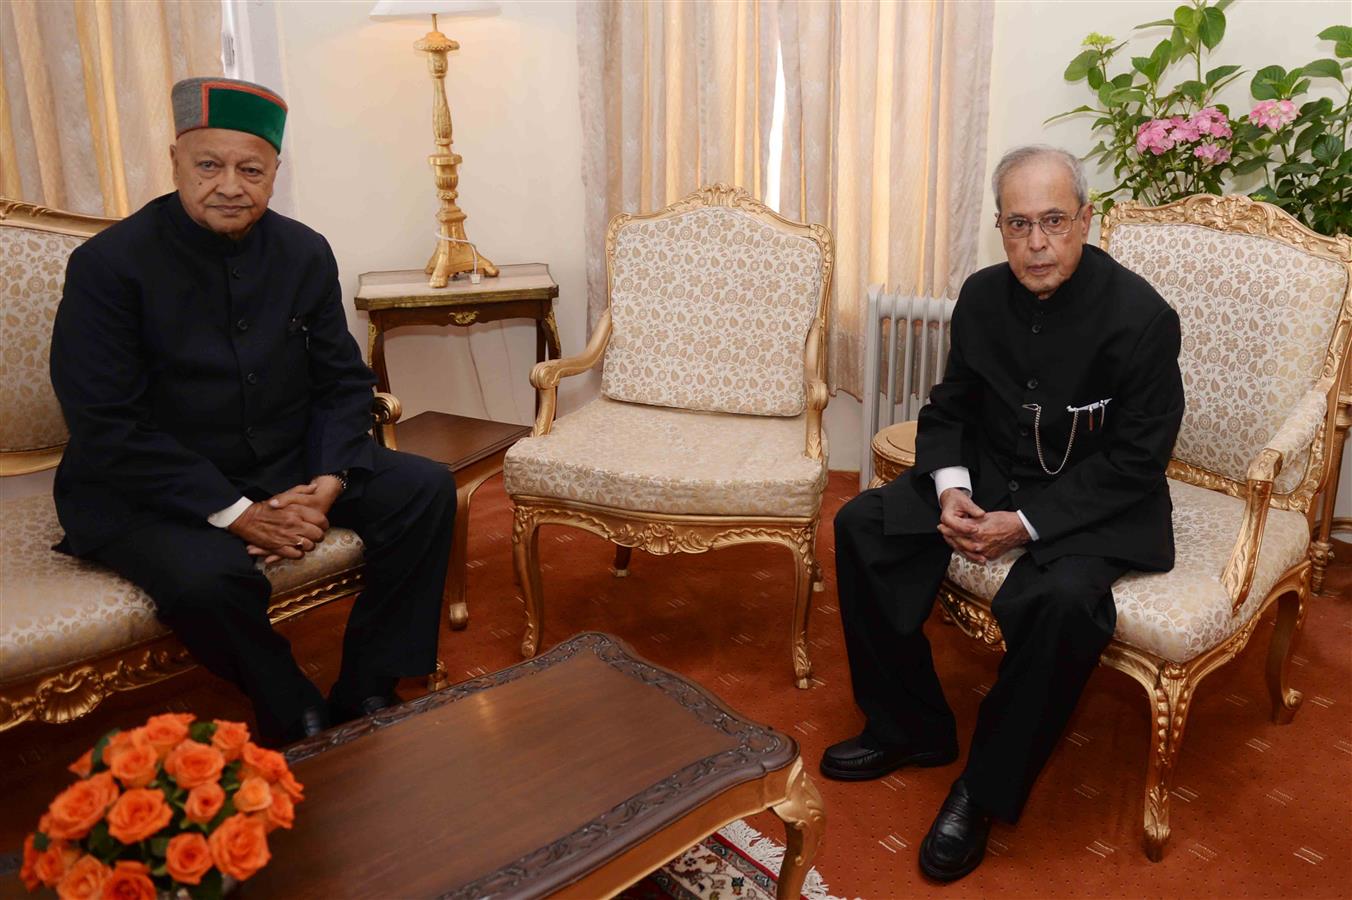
281, 813
129, 881
138, 814
79, 807
230, 738
168, 730
239, 847
55, 861
253, 795
257, 761
136, 764
84, 765
188, 858
294, 789
203, 802
28, 872
122, 741
84, 880
191, 764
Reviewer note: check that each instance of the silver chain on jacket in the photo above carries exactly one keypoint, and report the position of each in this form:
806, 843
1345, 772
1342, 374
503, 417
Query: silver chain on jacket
1037, 436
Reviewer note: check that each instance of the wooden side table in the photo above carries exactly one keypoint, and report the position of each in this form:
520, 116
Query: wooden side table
472, 448
893, 452
573, 774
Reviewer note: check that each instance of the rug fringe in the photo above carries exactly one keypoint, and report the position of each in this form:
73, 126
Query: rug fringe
770, 854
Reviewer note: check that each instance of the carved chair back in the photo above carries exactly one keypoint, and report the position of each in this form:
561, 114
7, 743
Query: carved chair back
1265, 312
34, 245
715, 304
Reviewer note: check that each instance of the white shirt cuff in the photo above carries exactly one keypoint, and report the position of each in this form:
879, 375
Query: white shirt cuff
224, 518
1028, 526
952, 477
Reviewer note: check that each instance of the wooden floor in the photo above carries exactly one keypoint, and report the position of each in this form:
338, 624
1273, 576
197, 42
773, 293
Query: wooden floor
1258, 810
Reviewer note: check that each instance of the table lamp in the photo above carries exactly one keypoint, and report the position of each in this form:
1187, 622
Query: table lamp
454, 252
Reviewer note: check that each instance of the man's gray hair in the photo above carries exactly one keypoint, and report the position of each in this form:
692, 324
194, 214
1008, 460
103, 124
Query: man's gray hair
1020, 155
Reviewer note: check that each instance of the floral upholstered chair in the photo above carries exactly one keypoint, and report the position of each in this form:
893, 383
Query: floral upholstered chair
71, 631
708, 429
1266, 320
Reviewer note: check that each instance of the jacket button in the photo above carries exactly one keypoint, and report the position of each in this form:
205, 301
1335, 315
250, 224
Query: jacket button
242, 324
1037, 329
1032, 384
249, 431
251, 378
1024, 430
235, 272
1013, 486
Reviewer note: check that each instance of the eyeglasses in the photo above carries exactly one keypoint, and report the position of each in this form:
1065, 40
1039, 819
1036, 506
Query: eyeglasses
1053, 223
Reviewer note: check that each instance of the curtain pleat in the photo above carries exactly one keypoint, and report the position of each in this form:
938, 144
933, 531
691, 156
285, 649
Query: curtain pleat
85, 118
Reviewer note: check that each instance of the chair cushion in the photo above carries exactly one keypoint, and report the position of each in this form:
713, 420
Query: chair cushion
1257, 315
711, 311
1184, 612
655, 459
56, 610
32, 271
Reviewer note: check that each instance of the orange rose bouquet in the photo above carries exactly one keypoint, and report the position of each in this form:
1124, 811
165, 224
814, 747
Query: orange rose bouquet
173, 807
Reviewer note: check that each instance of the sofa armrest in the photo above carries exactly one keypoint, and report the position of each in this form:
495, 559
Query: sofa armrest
547, 375
385, 411
815, 391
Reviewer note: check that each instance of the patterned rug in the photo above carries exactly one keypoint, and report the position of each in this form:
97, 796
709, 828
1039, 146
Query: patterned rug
737, 861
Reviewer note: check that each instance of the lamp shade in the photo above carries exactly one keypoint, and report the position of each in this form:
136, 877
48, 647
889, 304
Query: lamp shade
408, 9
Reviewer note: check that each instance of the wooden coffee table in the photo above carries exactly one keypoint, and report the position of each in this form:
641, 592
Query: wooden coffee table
573, 774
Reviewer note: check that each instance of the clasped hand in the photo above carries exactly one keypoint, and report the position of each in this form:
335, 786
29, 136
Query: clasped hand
978, 535
290, 524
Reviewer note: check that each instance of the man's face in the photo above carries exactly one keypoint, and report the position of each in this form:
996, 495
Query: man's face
224, 178
1043, 187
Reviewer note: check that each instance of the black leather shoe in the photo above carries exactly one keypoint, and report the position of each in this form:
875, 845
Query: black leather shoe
956, 842
313, 719
861, 758
341, 712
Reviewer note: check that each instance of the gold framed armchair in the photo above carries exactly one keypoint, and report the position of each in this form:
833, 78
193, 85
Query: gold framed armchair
708, 430
1267, 319
71, 632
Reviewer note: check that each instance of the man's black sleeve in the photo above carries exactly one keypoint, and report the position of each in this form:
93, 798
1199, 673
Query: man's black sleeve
101, 379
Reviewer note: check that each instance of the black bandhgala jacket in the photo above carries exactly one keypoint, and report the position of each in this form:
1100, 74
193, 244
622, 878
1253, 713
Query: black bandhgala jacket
1104, 335
192, 369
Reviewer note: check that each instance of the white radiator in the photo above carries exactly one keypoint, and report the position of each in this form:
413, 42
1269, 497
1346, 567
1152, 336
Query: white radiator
905, 350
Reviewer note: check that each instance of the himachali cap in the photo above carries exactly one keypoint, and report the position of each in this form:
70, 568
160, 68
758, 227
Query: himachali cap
227, 103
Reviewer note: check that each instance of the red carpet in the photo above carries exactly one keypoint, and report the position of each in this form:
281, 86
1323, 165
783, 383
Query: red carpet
1259, 810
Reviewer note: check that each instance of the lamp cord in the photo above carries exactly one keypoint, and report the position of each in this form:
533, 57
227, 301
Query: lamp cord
474, 276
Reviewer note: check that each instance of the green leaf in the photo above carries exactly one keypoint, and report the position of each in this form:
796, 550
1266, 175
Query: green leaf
1343, 49
40, 841
1159, 58
1155, 24
1305, 140
1264, 194
1212, 27
1266, 80
96, 758
1105, 94
1193, 90
1336, 33
202, 732
159, 846
1327, 147
1182, 43
1186, 17
1080, 65
1252, 164
1095, 78
101, 843
1222, 4
1323, 68
1127, 95
1122, 80
209, 888
1074, 112
1295, 168
1220, 72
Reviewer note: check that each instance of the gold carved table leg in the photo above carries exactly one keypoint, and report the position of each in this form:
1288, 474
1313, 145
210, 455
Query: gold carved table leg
804, 818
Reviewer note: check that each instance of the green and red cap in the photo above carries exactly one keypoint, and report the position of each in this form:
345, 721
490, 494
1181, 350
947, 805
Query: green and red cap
229, 103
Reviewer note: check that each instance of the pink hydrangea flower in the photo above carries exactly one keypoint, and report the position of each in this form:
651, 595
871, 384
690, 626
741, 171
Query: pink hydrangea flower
1183, 131
1273, 114
1211, 121
1154, 136
1212, 154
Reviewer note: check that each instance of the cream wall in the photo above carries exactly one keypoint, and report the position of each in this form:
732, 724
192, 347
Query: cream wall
360, 122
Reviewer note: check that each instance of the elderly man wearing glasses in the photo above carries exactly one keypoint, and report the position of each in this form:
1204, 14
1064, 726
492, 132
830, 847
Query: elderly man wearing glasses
1050, 433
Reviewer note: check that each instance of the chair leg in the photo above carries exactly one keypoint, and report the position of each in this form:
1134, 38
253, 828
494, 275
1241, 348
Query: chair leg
526, 556
804, 818
622, 555
1171, 697
804, 567
439, 678
457, 614
818, 580
1290, 615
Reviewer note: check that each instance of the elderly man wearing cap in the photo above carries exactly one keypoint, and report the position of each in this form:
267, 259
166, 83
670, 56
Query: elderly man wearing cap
219, 413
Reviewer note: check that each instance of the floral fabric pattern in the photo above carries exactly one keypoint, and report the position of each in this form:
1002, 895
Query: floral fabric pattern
1184, 612
1257, 316
711, 311
32, 273
655, 459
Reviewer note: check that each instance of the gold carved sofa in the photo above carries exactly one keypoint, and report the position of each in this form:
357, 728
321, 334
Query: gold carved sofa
708, 429
1266, 318
72, 632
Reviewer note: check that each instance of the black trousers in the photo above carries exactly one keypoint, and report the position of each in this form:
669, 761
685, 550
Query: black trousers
1056, 620
212, 594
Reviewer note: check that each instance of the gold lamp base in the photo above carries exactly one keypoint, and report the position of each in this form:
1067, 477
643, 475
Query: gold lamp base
454, 253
